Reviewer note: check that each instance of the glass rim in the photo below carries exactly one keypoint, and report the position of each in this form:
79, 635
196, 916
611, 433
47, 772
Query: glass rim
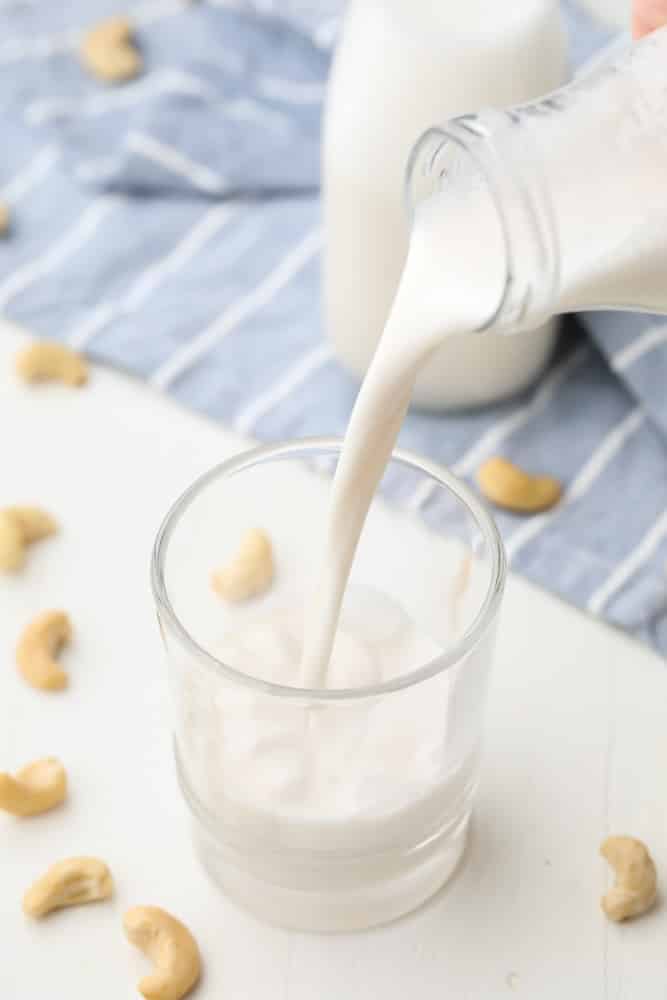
302, 446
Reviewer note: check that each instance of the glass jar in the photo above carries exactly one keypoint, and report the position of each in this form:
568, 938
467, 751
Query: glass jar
398, 68
575, 182
340, 808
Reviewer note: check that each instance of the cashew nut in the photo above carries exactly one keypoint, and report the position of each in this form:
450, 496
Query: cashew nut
19, 527
172, 948
12, 543
5, 218
38, 646
636, 886
36, 788
251, 571
109, 53
506, 485
68, 883
46, 361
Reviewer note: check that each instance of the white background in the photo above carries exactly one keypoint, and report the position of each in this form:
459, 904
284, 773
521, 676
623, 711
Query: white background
577, 747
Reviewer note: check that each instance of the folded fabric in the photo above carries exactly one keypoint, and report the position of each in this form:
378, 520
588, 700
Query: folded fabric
234, 110
171, 227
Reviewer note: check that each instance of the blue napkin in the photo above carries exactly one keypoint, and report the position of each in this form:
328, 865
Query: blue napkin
171, 227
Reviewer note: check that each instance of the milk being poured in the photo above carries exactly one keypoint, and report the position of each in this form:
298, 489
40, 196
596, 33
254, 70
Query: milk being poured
338, 809
579, 183
455, 269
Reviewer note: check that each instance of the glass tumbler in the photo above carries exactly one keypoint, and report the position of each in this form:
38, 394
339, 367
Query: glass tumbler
345, 807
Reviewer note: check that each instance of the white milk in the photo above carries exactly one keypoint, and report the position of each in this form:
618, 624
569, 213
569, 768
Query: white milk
338, 818
445, 274
401, 67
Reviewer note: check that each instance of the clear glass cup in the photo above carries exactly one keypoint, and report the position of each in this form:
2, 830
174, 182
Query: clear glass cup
347, 807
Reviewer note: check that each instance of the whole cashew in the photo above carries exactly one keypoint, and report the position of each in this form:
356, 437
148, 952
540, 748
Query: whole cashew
251, 571
506, 485
36, 788
109, 53
20, 527
37, 648
636, 886
171, 947
46, 361
68, 883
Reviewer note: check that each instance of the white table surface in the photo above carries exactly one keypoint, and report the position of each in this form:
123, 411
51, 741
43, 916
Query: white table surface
577, 748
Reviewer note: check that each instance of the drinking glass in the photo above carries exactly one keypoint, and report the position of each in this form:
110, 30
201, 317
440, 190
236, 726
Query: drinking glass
345, 807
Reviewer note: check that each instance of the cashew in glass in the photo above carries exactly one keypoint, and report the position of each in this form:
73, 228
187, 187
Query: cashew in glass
19, 527
171, 947
251, 571
108, 51
5, 218
636, 886
37, 648
506, 485
36, 788
71, 882
47, 361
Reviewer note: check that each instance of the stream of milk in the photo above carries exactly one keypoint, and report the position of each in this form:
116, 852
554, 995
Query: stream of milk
452, 283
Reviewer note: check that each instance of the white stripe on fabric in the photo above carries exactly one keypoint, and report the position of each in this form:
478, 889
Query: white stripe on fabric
155, 10
245, 110
92, 324
290, 91
212, 222
626, 569
499, 432
97, 170
205, 228
650, 339
170, 81
296, 376
421, 495
610, 445
251, 303
171, 159
59, 252
29, 177
20, 49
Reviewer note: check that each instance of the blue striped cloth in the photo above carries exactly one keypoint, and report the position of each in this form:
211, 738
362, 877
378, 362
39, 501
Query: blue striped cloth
171, 227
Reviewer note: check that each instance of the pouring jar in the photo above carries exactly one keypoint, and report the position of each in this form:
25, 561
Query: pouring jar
574, 182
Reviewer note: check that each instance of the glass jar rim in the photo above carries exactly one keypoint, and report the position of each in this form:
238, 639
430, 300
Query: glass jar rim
302, 447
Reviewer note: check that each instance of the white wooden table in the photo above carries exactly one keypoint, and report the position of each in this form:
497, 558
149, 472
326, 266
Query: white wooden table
577, 747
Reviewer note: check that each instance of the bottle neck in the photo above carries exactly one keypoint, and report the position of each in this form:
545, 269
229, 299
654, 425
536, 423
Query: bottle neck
483, 150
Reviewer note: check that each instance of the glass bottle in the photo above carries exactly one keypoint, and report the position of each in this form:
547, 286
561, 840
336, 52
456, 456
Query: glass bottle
400, 65
578, 182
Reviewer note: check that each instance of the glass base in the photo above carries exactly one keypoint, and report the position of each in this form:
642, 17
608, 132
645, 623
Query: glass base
341, 895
